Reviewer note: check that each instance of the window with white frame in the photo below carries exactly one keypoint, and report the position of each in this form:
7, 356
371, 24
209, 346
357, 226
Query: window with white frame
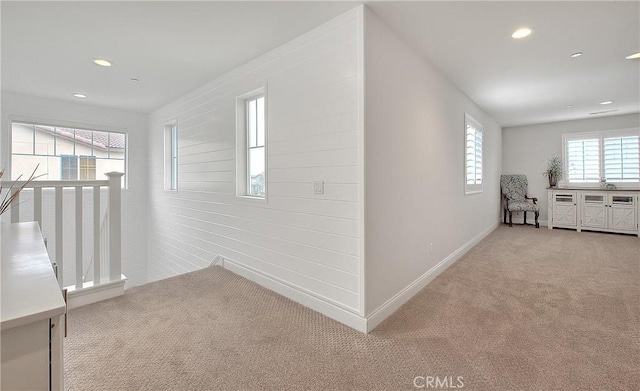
472, 155
65, 153
251, 144
171, 155
611, 156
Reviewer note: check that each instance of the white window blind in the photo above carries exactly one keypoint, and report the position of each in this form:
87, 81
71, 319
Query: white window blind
612, 155
583, 160
473, 155
621, 159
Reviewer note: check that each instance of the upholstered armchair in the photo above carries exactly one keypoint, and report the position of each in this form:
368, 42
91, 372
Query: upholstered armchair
515, 199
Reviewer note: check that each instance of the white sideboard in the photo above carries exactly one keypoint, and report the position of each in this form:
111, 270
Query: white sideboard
32, 312
594, 210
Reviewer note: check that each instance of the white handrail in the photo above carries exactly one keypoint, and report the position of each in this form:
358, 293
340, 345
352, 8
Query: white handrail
108, 240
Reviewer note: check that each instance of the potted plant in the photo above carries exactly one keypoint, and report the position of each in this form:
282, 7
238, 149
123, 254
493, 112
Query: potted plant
555, 170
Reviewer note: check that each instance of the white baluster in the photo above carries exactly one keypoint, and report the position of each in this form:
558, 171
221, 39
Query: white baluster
79, 266
96, 235
59, 236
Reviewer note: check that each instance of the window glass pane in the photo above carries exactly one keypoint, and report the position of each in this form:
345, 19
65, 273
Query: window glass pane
100, 144
45, 141
261, 121
252, 113
256, 171
22, 138
174, 157
117, 144
64, 141
25, 164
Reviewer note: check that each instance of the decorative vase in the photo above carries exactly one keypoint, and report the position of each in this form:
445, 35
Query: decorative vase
553, 180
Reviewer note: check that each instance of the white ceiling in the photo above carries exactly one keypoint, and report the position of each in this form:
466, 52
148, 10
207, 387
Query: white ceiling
531, 80
172, 47
175, 47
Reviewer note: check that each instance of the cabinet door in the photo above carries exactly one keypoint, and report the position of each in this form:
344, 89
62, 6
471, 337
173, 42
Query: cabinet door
564, 209
564, 214
594, 210
622, 212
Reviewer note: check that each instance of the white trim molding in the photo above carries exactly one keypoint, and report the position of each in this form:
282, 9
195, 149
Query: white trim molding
333, 311
393, 304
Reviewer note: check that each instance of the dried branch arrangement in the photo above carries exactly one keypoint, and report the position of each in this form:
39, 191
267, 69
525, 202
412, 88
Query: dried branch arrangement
12, 191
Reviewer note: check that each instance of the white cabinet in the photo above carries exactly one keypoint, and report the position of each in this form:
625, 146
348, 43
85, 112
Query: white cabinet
32, 312
594, 210
565, 211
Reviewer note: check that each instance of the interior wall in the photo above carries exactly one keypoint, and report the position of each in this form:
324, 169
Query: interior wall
527, 148
30, 108
414, 170
303, 245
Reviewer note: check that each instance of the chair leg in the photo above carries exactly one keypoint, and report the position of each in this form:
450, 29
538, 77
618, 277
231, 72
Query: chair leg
510, 219
525, 217
504, 213
537, 223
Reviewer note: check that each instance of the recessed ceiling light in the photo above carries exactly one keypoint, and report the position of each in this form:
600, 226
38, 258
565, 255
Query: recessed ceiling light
603, 112
102, 62
569, 106
521, 33
633, 56
134, 79
78, 95
606, 102
576, 54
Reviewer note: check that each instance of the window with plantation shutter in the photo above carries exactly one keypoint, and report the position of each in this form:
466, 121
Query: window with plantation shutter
613, 156
473, 155
621, 159
583, 160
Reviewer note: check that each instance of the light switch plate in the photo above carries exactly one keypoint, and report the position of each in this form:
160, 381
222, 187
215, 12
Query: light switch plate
318, 187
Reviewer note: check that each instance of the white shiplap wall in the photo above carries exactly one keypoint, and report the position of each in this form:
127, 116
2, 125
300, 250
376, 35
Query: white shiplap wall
308, 243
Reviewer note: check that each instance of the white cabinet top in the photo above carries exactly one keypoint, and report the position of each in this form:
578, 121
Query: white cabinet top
29, 290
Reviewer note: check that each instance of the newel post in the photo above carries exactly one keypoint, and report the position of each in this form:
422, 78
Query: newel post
115, 225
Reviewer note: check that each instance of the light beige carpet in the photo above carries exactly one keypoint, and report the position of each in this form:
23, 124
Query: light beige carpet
526, 309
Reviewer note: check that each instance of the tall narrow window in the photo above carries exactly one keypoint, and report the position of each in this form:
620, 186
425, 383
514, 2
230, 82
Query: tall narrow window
171, 155
473, 155
255, 147
174, 157
251, 135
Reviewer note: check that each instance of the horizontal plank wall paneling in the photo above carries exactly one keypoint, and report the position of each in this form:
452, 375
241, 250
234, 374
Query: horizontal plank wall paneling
296, 239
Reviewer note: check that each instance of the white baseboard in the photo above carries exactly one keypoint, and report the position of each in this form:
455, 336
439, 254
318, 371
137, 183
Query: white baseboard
338, 313
296, 294
91, 294
394, 303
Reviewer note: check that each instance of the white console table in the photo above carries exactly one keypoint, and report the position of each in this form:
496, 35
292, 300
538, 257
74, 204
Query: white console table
32, 312
594, 210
